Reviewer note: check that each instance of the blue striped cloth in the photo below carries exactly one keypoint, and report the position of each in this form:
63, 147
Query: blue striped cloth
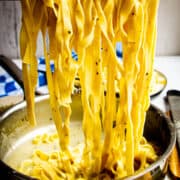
8, 86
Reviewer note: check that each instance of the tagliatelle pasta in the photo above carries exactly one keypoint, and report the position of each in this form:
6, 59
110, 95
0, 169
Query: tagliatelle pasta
92, 28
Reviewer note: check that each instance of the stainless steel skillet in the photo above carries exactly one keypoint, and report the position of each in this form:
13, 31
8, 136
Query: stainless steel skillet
16, 135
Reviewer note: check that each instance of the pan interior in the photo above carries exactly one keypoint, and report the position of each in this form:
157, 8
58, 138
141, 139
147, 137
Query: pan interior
16, 135
23, 148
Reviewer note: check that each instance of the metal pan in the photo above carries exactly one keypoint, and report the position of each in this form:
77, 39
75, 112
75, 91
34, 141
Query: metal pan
16, 135
159, 83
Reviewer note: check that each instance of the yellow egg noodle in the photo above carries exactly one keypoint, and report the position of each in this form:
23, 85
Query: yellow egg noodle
92, 28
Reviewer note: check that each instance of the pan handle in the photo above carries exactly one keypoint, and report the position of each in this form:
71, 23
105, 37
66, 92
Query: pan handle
12, 69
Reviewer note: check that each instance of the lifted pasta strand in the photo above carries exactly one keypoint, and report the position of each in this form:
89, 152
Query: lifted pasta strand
91, 28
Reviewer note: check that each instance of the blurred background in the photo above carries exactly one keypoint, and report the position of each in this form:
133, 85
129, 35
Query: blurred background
168, 39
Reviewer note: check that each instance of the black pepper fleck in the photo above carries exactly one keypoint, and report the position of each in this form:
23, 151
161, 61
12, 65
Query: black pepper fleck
114, 123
